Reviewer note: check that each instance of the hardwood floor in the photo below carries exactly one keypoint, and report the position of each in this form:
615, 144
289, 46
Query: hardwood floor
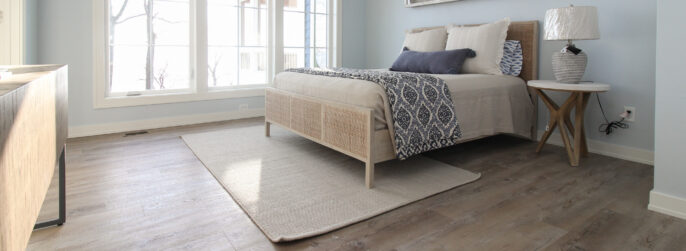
150, 192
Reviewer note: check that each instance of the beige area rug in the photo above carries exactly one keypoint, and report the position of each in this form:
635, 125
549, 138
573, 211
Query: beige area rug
293, 188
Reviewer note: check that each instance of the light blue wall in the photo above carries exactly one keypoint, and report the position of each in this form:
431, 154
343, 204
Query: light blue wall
354, 21
65, 37
670, 167
30, 32
623, 57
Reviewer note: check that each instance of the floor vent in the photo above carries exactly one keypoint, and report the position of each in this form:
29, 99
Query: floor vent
135, 133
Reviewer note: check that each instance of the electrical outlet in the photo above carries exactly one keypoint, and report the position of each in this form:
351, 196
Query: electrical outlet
632, 113
243, 107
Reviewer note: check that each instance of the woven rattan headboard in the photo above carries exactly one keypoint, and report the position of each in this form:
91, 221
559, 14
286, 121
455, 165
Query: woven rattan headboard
527, 33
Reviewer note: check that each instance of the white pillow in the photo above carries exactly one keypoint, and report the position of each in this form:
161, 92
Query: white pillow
426, 41
486, 40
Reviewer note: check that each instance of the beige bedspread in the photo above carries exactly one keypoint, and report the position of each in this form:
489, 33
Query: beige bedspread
485, 104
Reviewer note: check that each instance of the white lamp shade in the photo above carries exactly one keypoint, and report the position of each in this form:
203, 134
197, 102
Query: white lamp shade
572, 23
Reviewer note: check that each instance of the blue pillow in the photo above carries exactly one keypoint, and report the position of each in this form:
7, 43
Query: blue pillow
436, 62
512, 58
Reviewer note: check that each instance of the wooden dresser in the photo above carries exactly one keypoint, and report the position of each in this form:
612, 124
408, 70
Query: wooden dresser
33, 132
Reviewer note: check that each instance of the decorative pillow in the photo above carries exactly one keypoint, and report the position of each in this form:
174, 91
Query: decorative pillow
428, 40
513, 58
438, 62
486, 40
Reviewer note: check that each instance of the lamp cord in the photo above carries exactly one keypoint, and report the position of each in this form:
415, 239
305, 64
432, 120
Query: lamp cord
609, 127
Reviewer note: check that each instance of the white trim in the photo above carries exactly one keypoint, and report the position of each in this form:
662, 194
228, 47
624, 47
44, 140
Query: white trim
667, 204
410, 4
17, 30
336, 43
119, 127
5, 23
12, 30
617, 151
276, 39
197, 60
125, 101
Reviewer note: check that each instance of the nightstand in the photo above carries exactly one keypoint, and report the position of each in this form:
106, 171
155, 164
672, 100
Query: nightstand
560, 115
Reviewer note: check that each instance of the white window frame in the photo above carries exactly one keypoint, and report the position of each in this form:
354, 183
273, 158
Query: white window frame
198, 88
12, 32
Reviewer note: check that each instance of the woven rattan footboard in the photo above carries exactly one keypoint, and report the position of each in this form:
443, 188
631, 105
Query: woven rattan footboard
345, 128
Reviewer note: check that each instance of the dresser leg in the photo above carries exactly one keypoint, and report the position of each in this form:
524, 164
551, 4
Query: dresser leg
62, 195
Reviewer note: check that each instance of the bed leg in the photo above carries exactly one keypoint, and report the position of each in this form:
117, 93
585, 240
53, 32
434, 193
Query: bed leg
369, 175
267, 126
369, 169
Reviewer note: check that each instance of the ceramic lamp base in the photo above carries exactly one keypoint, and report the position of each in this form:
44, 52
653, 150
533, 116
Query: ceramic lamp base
569, 67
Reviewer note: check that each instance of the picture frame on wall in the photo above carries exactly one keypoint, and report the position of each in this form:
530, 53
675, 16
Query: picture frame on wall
416, 3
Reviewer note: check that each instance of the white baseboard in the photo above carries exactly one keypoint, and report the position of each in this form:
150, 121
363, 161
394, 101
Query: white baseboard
616, 151
127, 126
667, 204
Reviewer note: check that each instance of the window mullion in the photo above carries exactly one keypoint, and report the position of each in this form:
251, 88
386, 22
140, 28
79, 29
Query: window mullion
239, 29
308, 32
150, 69
333, 33
199, 37
277, 37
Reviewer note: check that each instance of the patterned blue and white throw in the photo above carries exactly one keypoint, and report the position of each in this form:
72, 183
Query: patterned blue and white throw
423, 114
513, 58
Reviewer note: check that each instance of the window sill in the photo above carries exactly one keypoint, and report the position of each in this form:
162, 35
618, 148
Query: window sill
101, 102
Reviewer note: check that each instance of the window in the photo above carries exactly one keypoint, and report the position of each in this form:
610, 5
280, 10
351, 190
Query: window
305, 33
149, 46
237, 42
163, 51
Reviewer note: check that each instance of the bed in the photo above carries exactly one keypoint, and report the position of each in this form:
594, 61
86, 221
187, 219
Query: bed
351, 116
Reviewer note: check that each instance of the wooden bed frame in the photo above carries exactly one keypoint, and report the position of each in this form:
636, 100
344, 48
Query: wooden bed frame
349, 129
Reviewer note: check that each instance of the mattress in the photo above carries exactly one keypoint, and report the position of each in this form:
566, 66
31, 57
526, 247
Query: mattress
484, 104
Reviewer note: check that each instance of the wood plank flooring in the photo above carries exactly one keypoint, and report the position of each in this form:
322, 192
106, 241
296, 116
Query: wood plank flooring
150, 192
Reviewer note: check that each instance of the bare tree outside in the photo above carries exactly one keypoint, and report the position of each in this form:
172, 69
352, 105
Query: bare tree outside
213, 69
160, 76
114, 21
154, 78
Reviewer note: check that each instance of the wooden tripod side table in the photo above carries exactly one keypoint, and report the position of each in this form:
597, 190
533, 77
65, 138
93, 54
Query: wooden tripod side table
560, 115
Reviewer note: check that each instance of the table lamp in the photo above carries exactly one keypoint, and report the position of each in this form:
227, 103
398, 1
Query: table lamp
571, 23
